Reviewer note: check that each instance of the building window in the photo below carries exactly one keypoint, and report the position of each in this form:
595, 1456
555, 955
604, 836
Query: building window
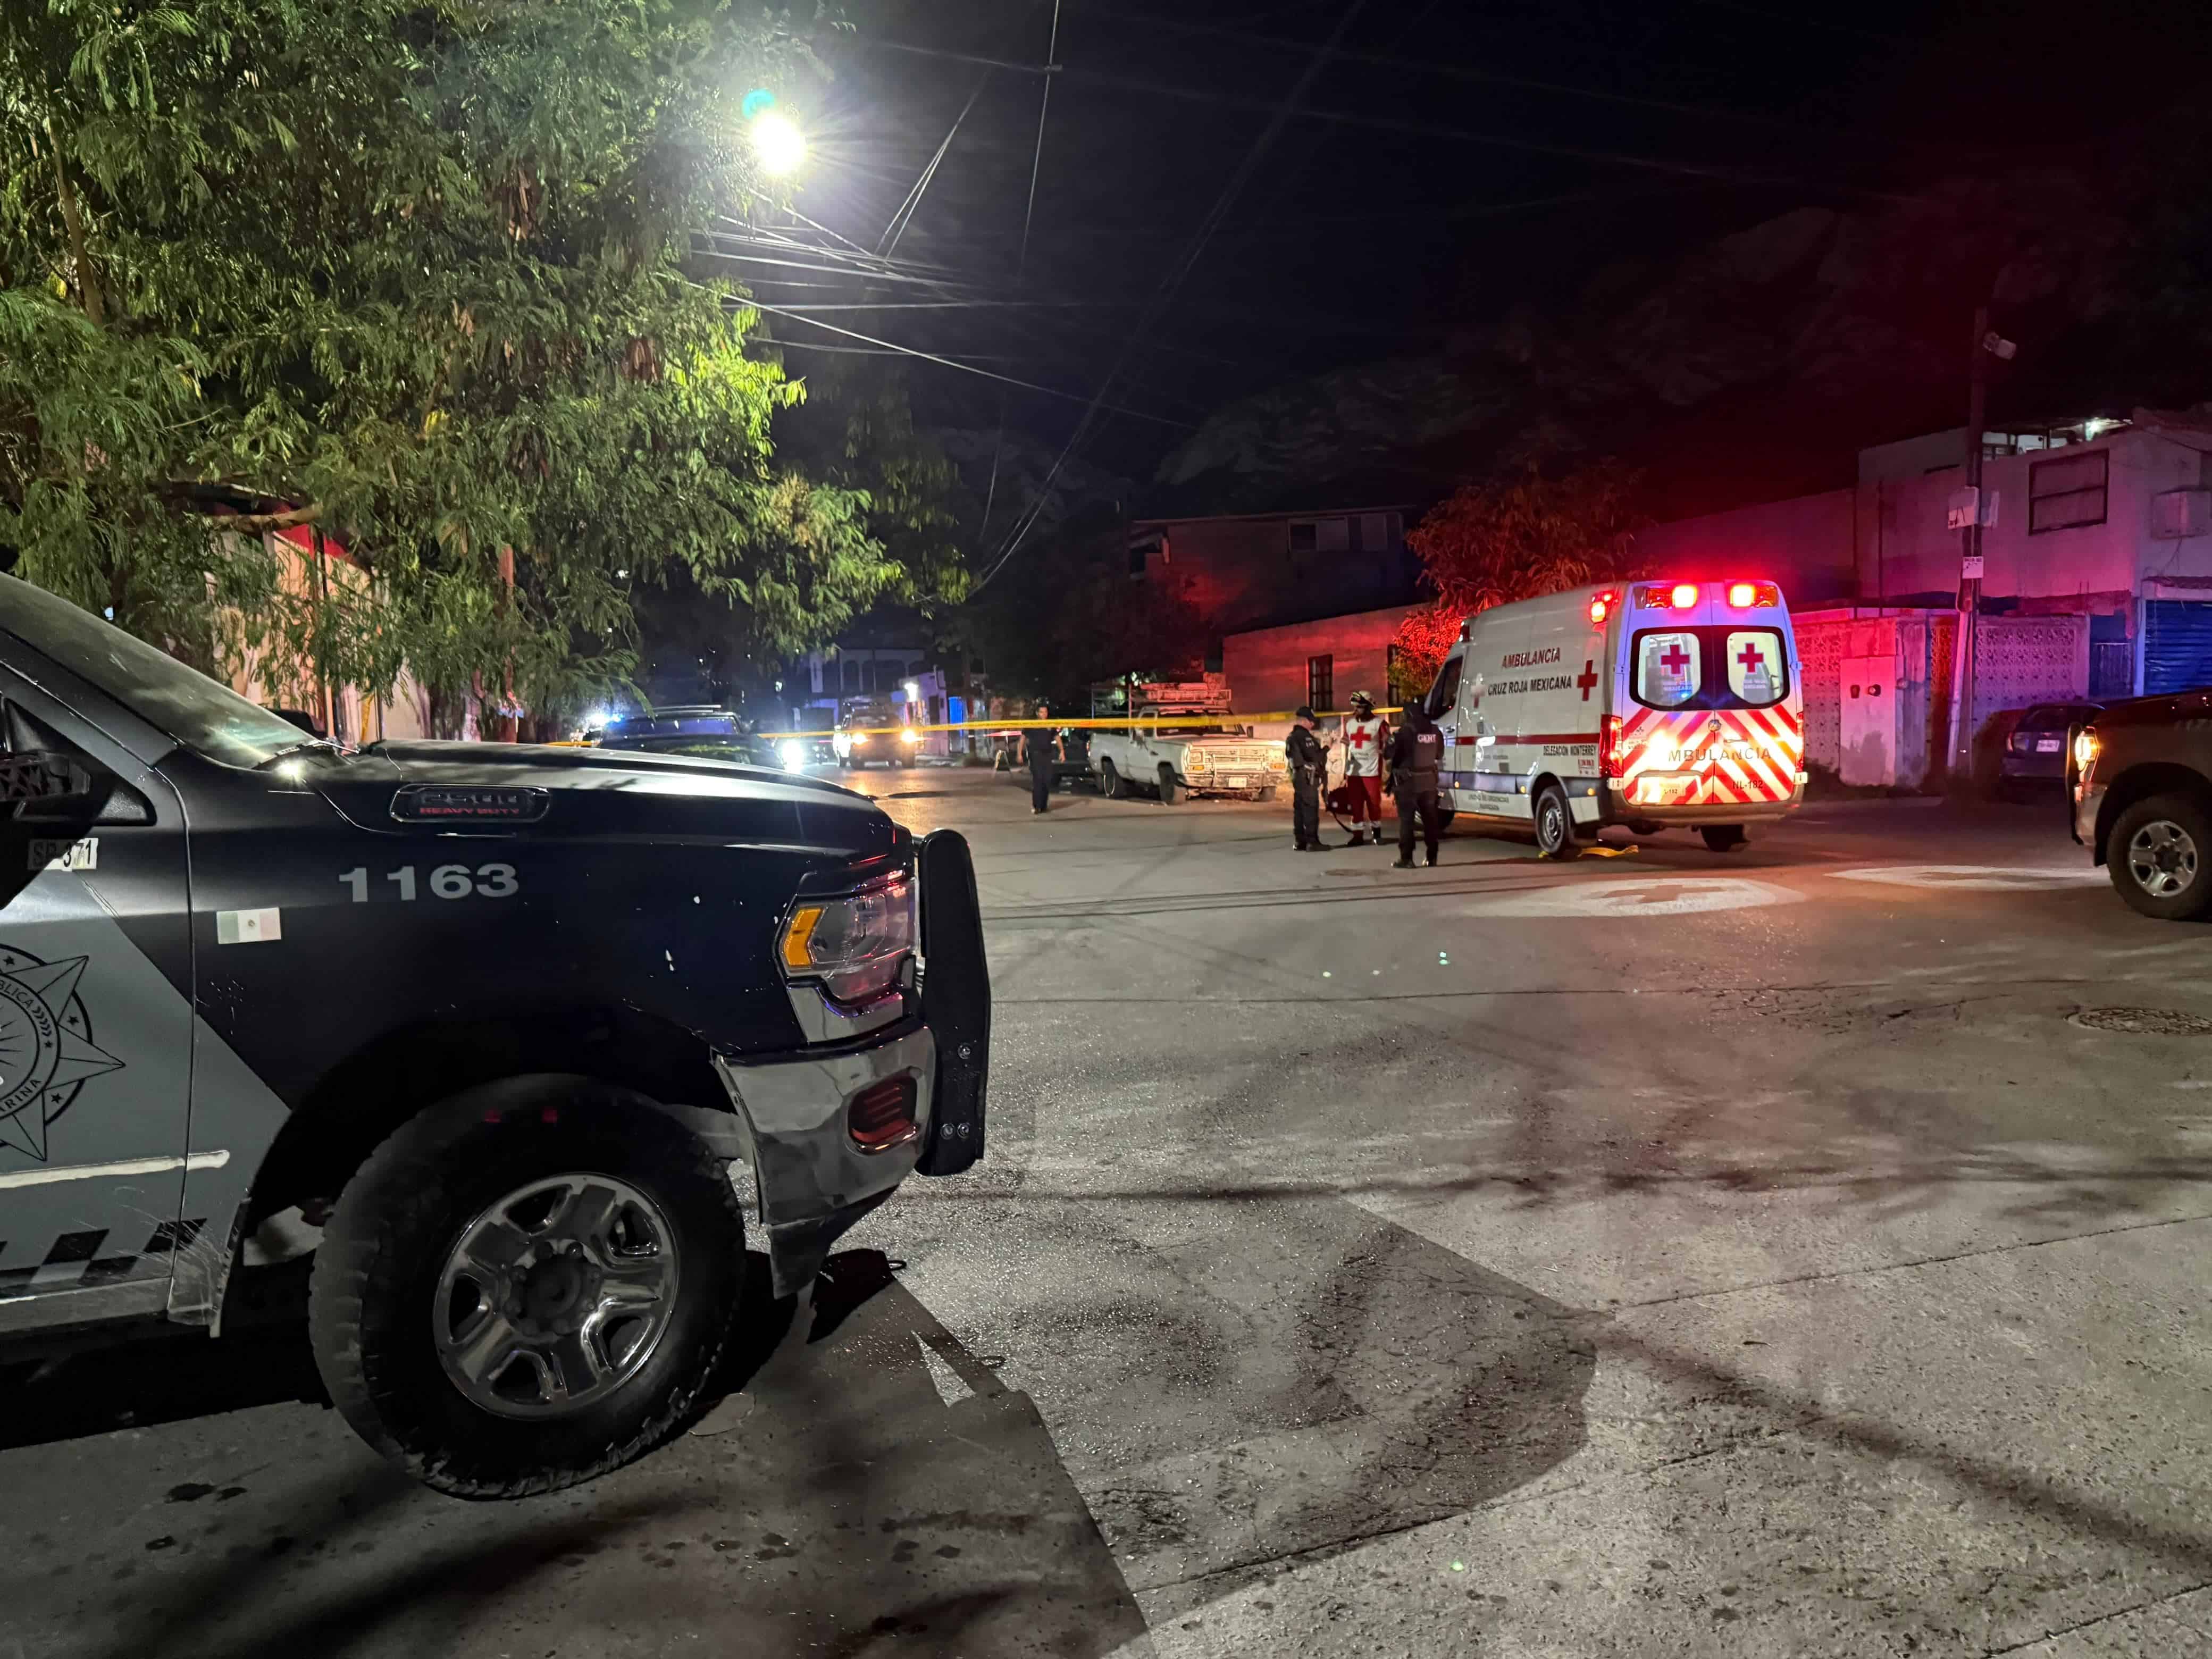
2068, 492
1321, 537
1320, 683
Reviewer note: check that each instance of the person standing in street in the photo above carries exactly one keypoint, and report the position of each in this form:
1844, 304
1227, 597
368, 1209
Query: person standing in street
1308, 757
1365, 735
1041, 745
1417, 760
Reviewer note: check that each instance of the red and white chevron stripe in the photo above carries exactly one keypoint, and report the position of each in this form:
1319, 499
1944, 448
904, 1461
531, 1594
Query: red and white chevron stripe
1708, 757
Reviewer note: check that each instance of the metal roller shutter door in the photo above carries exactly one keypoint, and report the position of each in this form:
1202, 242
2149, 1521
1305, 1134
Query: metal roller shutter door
2176, 646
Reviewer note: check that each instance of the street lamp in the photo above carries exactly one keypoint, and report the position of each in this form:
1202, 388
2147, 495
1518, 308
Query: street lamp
779, 145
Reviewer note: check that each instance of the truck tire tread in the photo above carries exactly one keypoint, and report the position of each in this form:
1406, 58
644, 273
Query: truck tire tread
392, 1224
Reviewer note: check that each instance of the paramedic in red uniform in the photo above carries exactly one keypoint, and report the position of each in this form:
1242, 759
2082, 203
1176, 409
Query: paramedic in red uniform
1417, 760
1365, 735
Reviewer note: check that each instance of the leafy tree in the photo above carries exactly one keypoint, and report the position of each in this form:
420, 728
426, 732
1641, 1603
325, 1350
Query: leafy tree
1514, 538
413, 271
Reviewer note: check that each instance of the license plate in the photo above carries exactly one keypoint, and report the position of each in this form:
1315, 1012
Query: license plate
2046, 745
1232, 783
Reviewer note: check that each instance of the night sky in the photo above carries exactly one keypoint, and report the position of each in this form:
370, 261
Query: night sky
1446, 160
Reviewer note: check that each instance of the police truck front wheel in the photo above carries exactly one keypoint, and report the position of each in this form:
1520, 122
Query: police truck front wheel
2157, 853
1555, 824
1170, 791
527, 1286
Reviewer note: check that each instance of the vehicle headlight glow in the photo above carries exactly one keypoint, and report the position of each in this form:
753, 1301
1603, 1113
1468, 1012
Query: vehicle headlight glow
854, 946
792, 755
2085, 751
910, 736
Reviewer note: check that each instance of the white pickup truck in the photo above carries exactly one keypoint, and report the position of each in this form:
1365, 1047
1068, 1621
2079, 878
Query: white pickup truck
1173, 752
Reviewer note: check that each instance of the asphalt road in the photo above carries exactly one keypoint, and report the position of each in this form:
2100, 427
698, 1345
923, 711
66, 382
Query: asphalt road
1664, 1253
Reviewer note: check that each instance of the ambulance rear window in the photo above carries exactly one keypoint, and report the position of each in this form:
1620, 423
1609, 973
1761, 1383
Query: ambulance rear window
1755, 673
1710, 668
1669, 667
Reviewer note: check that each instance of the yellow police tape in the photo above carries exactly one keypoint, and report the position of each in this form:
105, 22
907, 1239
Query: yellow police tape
1194, 718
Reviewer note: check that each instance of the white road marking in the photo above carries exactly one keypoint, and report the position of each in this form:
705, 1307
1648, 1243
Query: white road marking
1644, 896
129, 1166
1976, 878
951, 1388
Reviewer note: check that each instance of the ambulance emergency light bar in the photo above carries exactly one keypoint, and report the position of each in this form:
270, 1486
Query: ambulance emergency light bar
1686, 596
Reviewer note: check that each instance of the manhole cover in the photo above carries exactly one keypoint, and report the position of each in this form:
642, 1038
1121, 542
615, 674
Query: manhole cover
2145, 1022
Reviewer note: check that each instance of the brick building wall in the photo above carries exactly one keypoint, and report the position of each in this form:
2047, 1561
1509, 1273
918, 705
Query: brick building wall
1267, 667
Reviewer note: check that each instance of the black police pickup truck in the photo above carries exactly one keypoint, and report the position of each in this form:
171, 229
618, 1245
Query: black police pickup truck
2139, 788
488, 1031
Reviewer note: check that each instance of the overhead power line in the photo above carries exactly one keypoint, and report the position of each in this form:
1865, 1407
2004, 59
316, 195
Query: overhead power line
1022, 261
1173, 278
946, 362
904, 215
1377, 123
1495, 77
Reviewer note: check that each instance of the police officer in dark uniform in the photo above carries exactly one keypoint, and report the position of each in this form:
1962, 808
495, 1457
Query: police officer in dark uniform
1416, 759
1308, 757
1041, 745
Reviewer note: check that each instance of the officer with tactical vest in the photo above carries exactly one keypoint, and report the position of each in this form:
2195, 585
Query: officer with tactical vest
1309, 758
1417, 760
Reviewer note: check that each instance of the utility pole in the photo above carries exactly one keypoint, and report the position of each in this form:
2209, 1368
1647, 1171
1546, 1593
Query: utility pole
1985, 345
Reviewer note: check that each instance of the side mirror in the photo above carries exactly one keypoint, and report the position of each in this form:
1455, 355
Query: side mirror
40, 784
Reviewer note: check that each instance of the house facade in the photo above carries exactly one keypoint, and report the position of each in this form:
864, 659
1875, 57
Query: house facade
2096, 582
1243, 571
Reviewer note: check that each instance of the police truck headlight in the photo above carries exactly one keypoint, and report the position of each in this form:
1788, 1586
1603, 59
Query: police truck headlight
910, 735
792, 754
854, 946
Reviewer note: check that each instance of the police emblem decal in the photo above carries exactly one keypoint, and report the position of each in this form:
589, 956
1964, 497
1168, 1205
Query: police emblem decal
47, 1049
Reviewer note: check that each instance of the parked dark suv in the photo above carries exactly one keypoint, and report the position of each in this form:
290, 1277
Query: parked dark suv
2139, 784
2033, 758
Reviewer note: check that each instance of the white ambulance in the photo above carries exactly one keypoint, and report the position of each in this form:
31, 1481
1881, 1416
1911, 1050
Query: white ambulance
1644, 704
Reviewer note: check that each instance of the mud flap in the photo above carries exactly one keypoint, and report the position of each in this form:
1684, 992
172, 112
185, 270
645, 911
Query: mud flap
956, 1003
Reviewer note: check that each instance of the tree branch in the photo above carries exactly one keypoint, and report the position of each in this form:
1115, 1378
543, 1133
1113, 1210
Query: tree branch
72, 217
254, 524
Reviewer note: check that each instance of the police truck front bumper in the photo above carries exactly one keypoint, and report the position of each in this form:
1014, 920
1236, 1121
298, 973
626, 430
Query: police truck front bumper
830, 1132
815, 1177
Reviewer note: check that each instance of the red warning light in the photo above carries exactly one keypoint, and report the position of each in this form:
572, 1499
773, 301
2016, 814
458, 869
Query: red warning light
1685, 596
1600, 607
1741, 595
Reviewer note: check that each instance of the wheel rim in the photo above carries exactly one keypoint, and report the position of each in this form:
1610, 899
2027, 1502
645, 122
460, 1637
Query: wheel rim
556, 1295
1554, 836
2162, 859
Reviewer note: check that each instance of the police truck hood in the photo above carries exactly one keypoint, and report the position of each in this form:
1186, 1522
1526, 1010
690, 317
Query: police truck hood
569, 793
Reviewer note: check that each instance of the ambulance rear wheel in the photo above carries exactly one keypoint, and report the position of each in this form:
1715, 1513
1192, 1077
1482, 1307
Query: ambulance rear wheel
1555, 824
1109, 780
1723, 837
527, 1286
